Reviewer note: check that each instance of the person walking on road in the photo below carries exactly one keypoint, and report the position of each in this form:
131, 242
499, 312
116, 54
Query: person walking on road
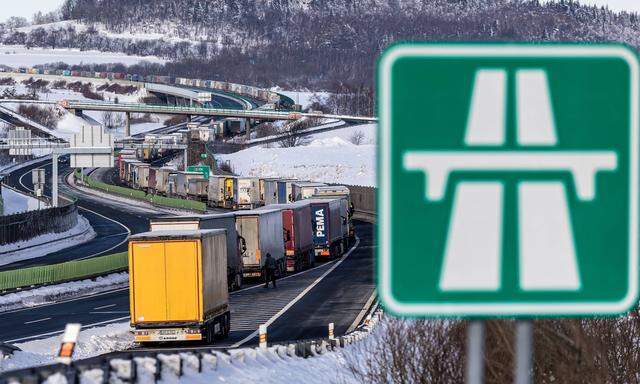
270, 271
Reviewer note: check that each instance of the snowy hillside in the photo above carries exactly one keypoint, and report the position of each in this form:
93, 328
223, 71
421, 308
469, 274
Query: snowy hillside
328, 157
17, 56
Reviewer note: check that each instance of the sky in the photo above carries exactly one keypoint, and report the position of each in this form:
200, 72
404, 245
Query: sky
27, 8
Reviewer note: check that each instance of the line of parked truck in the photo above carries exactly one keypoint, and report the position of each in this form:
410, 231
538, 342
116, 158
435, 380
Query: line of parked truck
177, 289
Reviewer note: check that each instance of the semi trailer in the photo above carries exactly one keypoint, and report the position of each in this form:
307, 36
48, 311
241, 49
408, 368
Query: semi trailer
178, 286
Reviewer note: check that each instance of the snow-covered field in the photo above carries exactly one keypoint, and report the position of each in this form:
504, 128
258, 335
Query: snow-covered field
47, 243
329, 157
20, 56
70, 124
52, 293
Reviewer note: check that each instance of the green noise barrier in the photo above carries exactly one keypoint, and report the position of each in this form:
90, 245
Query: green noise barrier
141, 195
67, 271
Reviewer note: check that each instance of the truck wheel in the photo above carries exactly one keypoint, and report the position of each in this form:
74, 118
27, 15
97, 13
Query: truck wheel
227, 325
208, 333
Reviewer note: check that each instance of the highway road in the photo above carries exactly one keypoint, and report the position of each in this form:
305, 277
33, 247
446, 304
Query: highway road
301, 307
112, 226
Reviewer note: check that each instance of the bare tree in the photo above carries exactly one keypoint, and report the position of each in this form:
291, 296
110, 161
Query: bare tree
112, 120
357, 138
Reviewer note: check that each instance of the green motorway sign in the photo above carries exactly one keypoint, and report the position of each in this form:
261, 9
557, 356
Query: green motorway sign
204, 169
508, 179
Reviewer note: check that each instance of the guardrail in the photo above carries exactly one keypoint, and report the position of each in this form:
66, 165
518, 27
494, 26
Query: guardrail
63, 272
171, 366
141, 195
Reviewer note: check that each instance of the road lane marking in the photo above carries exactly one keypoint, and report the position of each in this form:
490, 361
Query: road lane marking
105, 306
26, 338
106, 312
83, 297
37, 321
300, 296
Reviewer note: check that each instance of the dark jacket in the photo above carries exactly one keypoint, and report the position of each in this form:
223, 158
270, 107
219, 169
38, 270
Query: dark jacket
270, 263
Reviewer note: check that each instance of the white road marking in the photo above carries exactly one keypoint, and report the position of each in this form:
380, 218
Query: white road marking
128, 231
105, 306
37, 321
107, 312
62, 330
300, 296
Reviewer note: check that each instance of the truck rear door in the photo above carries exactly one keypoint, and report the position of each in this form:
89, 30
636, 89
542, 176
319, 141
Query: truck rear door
248, 229
183, 280
149, 293
320, 222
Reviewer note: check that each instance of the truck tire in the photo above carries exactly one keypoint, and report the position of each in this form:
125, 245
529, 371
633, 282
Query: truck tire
227, 325
209, 336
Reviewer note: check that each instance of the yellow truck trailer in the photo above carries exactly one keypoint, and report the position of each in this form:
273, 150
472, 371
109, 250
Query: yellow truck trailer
178, 285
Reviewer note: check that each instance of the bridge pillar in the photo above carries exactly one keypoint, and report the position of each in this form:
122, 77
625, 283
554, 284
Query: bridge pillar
247, 127
127, 124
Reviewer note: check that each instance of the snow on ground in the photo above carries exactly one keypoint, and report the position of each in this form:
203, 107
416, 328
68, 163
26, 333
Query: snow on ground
304, 98
165, 32
92, 342
53, 293
329, 157
20, 56
368, 132
69, 123
47, 243
13, 202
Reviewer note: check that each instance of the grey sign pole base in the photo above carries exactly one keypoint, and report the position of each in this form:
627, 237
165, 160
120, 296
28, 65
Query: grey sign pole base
474, 370
524, 352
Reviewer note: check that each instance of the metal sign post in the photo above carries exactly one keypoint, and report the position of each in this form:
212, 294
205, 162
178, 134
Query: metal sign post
474, 369
506, 187
524, 352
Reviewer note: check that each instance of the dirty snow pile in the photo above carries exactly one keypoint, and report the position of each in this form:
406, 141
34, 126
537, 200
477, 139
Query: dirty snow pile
47, 243
51, 293
92, 342
329, 157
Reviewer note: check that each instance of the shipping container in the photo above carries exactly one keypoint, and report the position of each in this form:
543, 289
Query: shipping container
162, 179
262, 232
142, 177
268, 191
226, 221
327, 225
231, 192
178, 287
216, 191
285, 191
151, 183
182, 182
304, 189
198, 189
339, 191
248, 192
298, 234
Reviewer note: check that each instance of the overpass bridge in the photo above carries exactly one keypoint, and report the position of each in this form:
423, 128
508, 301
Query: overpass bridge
257, 114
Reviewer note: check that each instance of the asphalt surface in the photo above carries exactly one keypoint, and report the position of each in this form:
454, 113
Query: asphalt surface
338, 297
